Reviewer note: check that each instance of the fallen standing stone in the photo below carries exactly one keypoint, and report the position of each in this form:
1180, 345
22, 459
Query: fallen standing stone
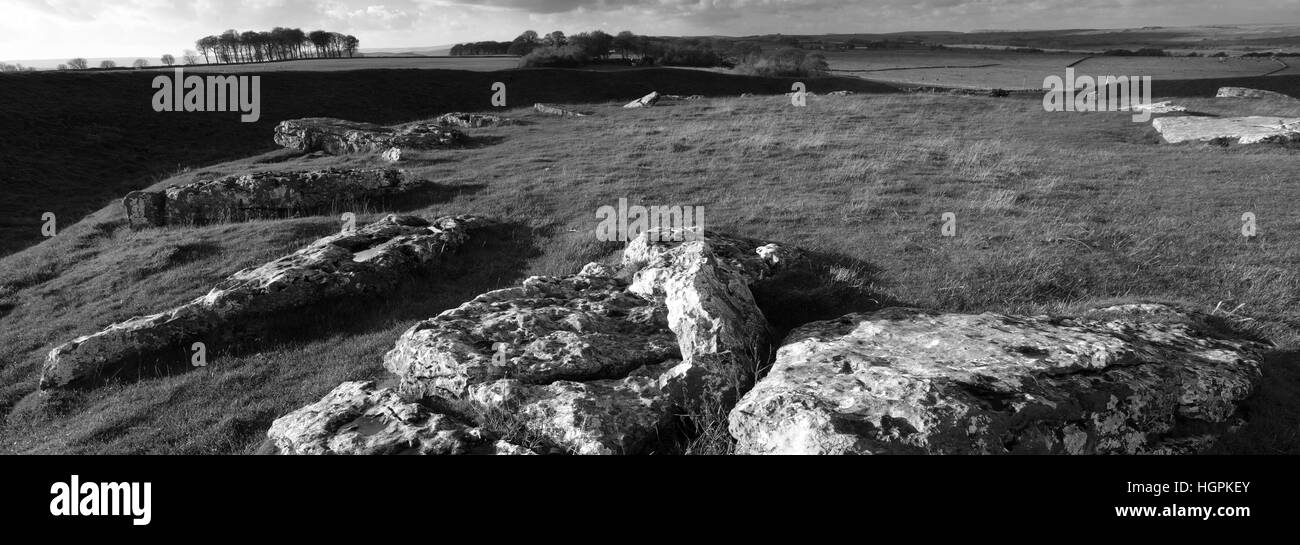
908, 381
591, 362
372, 259
262, 195
1238, 130
645, 101
1246, 92
474, 121
339, 137
556, 110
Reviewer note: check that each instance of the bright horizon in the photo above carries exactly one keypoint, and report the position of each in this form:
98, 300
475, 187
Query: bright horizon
56, 30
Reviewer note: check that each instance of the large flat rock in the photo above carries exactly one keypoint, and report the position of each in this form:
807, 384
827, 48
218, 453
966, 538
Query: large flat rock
908, 381
372, 259
550, 109
474, 121
1239, 130
1246, 92
557, 352
358, 418
339, 137
263, 195
572, 328
602, 361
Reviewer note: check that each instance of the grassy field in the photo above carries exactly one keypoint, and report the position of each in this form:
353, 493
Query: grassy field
1007, 70
1210, 39
72, 142
1055, 212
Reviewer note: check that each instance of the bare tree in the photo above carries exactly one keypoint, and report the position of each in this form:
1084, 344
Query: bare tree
78, 64
190, 57
140, 63
168, 59
108, 64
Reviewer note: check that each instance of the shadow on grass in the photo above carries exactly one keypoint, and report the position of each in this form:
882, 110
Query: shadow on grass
824, 287
483, 141
1272, 413
425, 196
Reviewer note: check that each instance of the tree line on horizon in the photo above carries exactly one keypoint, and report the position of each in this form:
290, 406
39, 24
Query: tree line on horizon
556, 50
233, 46
600, 45
279, 44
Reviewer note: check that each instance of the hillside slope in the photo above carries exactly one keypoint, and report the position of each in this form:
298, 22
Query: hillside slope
70, 142
1056, 211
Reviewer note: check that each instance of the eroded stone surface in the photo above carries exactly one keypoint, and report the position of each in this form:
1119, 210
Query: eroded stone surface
1246, 92
549, 109
263, 195
559, 353
357, 418
1239, 130
608, 416
339, 137
645, 101
574, 328
145, 209
720, 330
907, 381
754, 260
371, 259
474, 121
592, 364
1162, 107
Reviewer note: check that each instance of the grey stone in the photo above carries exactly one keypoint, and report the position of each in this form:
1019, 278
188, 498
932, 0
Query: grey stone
1239, 130
263, 195
339, 137
908, 381
372, 259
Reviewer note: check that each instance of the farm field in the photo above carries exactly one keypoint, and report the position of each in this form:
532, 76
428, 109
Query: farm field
1009, 70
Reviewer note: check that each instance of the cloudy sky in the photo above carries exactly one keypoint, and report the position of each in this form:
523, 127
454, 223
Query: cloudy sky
57, 29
